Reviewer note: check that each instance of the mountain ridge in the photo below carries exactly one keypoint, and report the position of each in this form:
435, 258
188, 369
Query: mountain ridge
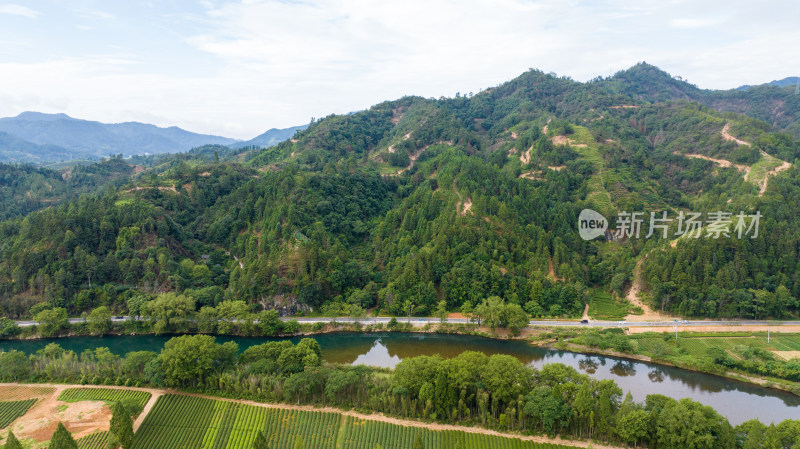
404, 201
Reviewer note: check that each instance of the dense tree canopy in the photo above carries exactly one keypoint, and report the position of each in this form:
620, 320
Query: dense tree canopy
420, 201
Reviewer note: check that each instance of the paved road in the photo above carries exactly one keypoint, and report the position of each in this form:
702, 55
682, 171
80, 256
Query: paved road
422, 321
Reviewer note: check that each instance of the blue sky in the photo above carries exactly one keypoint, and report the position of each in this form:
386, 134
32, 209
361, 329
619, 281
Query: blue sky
237, 68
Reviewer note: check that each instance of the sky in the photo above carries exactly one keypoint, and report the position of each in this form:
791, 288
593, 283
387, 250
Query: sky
238, 68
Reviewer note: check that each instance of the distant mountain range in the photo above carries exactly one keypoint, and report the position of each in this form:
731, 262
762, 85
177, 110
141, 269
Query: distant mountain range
38, 137
789, 81
272, 137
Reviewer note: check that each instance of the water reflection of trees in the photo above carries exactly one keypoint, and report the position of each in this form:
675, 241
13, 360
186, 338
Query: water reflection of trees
588, 365
624, 368
346, 348
656, 376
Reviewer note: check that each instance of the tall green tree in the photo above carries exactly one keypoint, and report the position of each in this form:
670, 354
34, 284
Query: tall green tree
121, 425
299, 443
62, 439
169, 312
632, 426
52, 322
441, 311
189, 359
418, 443
12, 442
14, 365
514, 318
99, 321
260, 441
687, 424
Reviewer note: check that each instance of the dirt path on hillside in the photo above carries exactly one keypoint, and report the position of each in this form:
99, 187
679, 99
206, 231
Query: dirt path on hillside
743, 168
721, 162
551, 270
633, 297
241, 265
156, 393
414, 156
163, 189
726, 135
774, 172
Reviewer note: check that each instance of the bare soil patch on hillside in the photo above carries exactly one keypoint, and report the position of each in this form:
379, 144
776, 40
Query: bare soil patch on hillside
727, 136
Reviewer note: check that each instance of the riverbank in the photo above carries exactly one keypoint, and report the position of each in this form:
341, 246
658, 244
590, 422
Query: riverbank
555, 337
775, 384
747, 357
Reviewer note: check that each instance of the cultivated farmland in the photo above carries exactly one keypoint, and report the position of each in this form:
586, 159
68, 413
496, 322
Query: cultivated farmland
139, 398
97, 440
11, 410
178, 421
365, 434
698, 344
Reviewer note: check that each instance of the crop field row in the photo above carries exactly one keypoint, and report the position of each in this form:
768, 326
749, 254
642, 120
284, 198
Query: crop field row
183, 421
17, 392
104, 394
11, 410
180, 422
698, 346
97, 440
602, 307
365, 434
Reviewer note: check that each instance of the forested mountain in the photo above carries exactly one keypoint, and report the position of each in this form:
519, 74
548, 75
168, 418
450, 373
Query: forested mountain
54, 137
27, 188
417, 201
14, 149
774, 103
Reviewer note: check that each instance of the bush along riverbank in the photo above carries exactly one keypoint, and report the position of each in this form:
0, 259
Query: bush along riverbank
770, 361
742, 356
497, 392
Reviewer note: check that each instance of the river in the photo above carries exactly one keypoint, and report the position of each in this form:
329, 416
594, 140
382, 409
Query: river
737, 401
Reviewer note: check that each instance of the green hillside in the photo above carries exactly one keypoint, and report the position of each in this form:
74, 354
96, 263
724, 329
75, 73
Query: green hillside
454, 200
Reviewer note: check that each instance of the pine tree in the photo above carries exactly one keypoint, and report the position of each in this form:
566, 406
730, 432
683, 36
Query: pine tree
299, 444
121, 425
261, 441
418, 442
62, 439
12, 442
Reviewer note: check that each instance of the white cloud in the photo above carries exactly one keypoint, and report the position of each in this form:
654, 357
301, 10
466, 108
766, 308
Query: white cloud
240, 67
18, 10
693, 22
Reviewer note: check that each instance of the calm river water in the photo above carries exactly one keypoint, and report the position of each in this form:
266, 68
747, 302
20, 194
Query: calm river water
737, 401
